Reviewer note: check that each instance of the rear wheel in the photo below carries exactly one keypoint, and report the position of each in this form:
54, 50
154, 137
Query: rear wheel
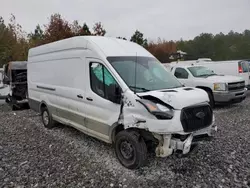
130, 149
47, 119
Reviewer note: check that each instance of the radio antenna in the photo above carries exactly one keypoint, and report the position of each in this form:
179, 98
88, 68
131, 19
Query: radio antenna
135, 71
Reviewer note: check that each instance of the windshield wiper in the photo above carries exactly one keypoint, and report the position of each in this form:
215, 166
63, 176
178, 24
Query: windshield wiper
141, 88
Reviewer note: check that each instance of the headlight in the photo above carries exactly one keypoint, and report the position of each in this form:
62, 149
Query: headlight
159, 110
220, 87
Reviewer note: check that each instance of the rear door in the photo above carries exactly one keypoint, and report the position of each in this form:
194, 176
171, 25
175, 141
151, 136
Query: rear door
244, 71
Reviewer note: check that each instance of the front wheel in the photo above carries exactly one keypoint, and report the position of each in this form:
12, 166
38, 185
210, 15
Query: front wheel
130, 149
211, 98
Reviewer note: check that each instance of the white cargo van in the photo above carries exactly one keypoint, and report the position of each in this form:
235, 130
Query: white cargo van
118, 92
220, 88
233, 68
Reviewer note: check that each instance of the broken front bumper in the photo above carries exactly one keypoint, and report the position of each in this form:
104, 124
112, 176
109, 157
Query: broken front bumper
169, 144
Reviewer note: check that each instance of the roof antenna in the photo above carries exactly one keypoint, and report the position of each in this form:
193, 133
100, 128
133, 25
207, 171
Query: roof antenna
135, 71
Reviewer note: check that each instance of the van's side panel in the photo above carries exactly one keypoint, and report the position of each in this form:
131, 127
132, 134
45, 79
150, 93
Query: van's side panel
226, 68
57, 86
41, 86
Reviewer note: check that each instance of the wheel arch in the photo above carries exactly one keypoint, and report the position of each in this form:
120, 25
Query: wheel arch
42, 105
145, 134
205, 88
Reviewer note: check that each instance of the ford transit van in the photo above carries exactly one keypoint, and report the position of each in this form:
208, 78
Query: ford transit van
116, 91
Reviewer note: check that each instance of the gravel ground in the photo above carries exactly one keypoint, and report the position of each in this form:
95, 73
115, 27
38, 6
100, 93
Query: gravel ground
32, 156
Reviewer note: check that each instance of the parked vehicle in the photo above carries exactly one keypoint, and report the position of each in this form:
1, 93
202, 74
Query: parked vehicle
220, 88
3, 88
1, 78
116, 91
15, 77
233, 68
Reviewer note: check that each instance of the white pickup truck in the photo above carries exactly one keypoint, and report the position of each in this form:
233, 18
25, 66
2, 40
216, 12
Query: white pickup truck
220, 88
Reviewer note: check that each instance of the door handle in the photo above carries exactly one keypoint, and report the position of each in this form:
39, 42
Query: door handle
80, 96
89, 99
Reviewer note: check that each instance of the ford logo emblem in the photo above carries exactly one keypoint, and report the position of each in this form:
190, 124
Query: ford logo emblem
200, 115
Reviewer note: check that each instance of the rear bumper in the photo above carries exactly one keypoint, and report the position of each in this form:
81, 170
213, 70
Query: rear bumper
230, 97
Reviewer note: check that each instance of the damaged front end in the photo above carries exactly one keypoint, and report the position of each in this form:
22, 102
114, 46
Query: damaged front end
174, 129
15, 77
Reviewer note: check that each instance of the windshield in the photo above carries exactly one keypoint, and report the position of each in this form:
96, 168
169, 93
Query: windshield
200, 71
150, 73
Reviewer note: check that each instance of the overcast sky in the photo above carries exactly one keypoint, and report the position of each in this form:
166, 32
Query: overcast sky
168, 19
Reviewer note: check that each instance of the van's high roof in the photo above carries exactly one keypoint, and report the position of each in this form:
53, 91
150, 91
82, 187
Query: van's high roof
106, 46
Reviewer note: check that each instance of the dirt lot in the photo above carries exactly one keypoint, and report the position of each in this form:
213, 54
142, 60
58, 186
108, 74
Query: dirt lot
31, 156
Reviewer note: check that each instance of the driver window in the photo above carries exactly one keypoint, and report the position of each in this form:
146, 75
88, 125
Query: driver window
101, 81
181, 73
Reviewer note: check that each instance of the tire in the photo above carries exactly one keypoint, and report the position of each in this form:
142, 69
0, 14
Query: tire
47, 119
211, 98
14, 107
13, 103
130, 149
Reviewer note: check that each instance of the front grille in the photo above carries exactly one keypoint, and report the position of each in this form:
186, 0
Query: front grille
235, 86
196, 117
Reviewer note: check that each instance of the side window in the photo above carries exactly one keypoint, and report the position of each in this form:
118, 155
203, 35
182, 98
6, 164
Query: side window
101, 81
181, 73
244, 66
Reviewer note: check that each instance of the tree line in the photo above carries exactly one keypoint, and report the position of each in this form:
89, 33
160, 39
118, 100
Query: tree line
15, 42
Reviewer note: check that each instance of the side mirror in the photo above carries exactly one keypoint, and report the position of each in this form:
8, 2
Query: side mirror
115, 93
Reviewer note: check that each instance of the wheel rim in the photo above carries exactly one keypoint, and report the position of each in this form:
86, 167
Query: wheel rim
127, 149
45, 117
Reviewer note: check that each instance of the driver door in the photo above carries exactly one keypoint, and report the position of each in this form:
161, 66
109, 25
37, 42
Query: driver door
101, 112
182, 75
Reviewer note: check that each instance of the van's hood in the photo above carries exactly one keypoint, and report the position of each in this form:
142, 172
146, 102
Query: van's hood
179, 98
224, 79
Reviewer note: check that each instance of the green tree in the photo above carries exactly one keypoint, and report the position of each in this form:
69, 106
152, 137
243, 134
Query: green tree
85, 30
229, 46
137, 37
13, 45
36, 38
57, 29
77, 30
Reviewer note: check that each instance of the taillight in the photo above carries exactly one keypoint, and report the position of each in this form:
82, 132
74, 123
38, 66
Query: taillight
240, 69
